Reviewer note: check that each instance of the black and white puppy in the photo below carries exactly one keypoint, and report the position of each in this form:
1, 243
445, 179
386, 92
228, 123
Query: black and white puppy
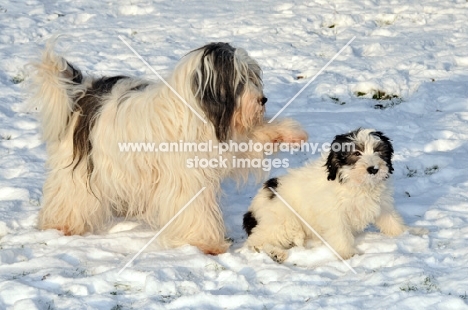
337, 195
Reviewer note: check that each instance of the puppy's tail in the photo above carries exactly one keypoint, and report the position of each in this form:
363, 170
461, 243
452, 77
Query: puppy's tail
56, 85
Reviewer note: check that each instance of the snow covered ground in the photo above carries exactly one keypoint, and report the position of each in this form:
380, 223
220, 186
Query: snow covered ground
415, 53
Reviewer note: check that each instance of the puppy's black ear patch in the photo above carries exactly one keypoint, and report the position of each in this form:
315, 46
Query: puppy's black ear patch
385, 148
338, 153
249, 222
271, 183
332, 164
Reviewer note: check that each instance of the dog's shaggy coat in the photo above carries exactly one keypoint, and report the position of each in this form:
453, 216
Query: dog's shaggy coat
84, 119
338, 195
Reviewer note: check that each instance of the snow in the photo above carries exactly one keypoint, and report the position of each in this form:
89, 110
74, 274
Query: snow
415, 51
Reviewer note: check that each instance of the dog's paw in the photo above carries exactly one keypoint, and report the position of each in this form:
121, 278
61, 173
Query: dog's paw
392, 229
289, 131
292, 137
348, 253
418, 231
297, 137
278, 255
346, 256
358, 252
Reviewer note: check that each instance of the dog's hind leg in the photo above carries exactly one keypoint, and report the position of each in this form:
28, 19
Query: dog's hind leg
68, 203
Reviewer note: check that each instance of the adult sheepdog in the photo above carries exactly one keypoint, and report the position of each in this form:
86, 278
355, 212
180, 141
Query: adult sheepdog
338, 195
84, 118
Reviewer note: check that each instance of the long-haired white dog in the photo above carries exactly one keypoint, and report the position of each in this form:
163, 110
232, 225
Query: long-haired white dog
337, 195
85, 118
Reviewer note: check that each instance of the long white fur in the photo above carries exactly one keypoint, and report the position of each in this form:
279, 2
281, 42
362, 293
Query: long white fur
337, 211
147, 186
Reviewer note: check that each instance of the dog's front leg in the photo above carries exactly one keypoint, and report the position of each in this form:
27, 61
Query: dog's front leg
389, 221
391, 224
201, 223
342, 241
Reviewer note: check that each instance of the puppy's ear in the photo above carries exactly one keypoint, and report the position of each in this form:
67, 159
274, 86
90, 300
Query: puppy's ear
385, 148
336, 157
217, 86
332, 164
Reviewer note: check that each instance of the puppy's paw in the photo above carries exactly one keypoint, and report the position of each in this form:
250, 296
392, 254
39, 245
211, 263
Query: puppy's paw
346, 256
278, 255
418, 231
393, 229
347, 253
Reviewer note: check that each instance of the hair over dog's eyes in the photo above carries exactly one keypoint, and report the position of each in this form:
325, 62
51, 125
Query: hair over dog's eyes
263, 100
357, 153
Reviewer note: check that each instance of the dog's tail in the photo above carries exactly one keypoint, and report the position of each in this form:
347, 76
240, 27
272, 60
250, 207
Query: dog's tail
56, 85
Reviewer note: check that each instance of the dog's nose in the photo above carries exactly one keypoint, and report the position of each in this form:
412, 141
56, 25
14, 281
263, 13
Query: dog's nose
372, 170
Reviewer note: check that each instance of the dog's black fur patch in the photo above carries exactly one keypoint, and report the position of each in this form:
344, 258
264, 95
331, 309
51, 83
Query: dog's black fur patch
338, 156
249, 222
385, 148
214, 86
73, 74
273, 183
137, 88
88, 107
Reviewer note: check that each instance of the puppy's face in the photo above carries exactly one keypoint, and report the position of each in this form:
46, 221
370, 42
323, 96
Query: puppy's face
363, 156
228, 85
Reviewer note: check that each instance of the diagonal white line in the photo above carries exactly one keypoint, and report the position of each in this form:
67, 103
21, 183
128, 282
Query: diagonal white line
161, 78
161, 230
313, 230
308, 83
